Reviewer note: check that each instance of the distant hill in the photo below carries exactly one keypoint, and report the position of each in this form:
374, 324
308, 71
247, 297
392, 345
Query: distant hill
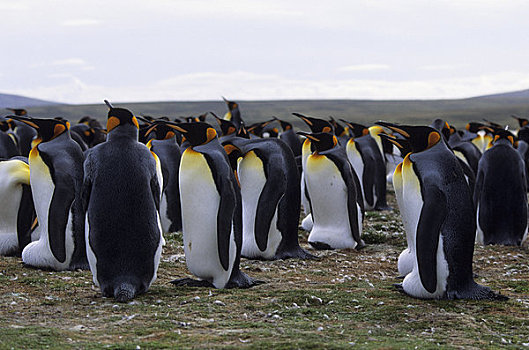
507, 95
496, 107
17, 101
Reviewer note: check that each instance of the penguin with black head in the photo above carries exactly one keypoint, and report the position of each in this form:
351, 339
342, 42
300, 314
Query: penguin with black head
9, 142
270, 190
211, 211
121, 196
437, 205
315, 125
364, 155
165, 146
25, 134
234, 114
337, 211
55, 174
500, 194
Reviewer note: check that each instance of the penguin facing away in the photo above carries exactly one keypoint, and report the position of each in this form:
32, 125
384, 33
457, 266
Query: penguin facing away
121, 197
364, 155
211, 211
56, 173
500, 194
17, 213
270, 191
166, 148
438, 212
337, 211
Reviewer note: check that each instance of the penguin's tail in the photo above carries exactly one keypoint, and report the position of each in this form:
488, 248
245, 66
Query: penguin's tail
124, 292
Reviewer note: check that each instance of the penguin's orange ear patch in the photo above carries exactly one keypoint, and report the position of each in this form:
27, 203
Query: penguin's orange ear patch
230, 148
211, 134
433, 138
58, 129
326, 129
112, 122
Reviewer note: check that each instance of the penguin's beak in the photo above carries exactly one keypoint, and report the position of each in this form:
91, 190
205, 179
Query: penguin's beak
391, 139
25, 121
302, 117
178, 128
394, 127
108, 104
309, 136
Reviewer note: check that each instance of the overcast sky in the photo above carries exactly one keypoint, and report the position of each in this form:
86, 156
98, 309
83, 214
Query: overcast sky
85, 51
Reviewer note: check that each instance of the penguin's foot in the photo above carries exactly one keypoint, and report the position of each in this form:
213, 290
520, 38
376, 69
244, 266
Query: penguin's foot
320, 246
296, 253
189, 282
243, 281
476, 292
360, 245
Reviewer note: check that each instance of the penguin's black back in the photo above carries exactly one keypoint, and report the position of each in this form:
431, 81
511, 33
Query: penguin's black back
439, 172
122, 194
169, 153
501, 195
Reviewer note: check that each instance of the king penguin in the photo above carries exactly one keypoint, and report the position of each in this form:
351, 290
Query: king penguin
233, 114
165, 146
56, 176
17, 213
211, 211
364, 155
439, 219
500, 194
270, 191
315, 125
121, 196
337, 211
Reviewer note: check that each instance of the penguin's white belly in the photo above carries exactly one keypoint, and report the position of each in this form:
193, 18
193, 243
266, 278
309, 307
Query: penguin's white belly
164, 219
480, 238
10, 196
328, 195
357, 163
412, 282
304, 200
252, 180
200, 204
410, 206
38, 253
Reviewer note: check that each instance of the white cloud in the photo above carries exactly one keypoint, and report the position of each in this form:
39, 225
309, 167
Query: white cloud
69, 62
364, 67
251, 86
80, 22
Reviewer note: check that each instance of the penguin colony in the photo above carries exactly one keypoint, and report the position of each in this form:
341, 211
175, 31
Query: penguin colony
88, 197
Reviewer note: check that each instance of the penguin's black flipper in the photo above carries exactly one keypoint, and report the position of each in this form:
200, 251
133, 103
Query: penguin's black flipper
432, 216
352, 197
60, 205
226, 205
155, 190
26, 217
271, 194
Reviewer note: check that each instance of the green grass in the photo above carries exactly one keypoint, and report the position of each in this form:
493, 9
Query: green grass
345, 298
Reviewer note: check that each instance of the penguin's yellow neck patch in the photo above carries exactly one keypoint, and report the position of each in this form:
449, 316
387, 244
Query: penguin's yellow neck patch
149, 144
227, 116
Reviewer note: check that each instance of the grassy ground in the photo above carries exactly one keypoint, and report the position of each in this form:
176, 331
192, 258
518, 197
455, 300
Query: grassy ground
345, 299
